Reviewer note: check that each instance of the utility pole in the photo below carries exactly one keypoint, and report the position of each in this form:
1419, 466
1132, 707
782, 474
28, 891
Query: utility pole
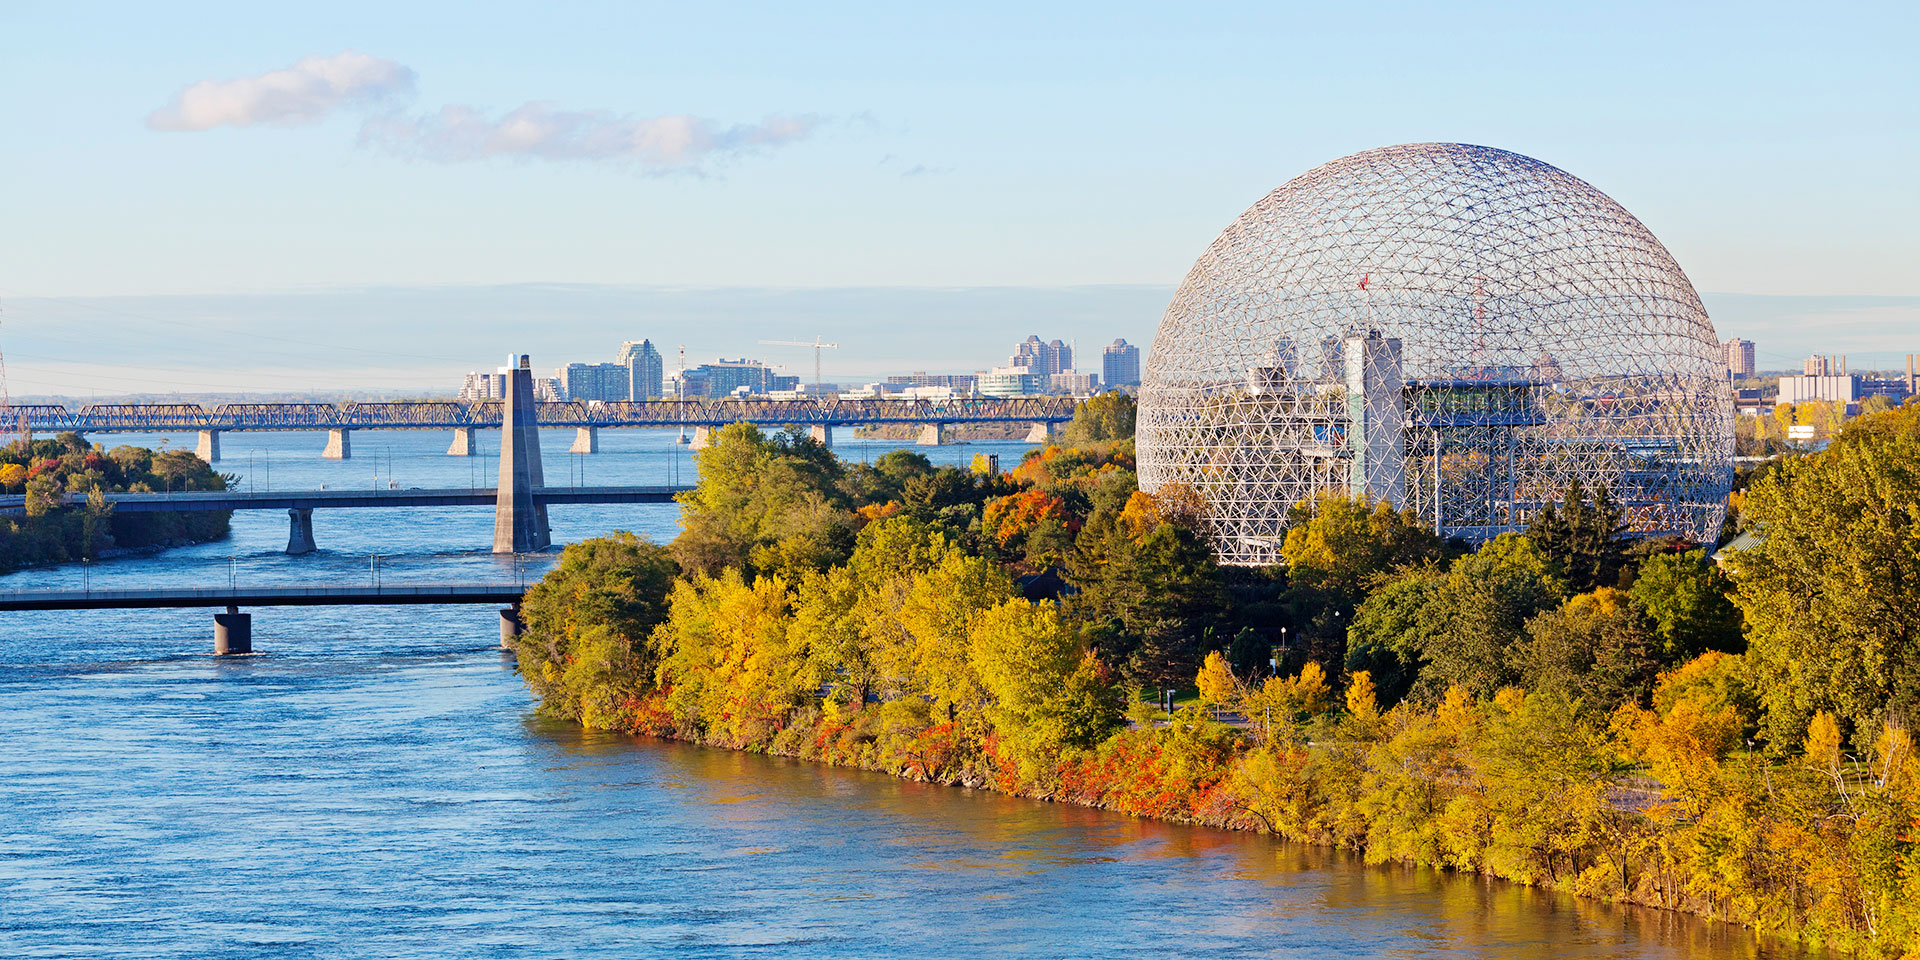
817, 345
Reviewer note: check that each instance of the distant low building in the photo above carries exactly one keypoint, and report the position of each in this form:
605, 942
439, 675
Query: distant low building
1073, 384
1011, 382
492, 386
960, 383
731, 378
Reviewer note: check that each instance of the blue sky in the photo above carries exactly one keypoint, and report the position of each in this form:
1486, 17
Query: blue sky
1037, 160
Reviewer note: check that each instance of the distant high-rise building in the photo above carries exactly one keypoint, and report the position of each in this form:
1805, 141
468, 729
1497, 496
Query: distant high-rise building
1120, 364
1074, 384
595, 381
1740, 358
1819, 366
1045, 359
645, 370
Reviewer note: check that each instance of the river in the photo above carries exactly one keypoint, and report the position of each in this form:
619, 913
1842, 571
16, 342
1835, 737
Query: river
373, 782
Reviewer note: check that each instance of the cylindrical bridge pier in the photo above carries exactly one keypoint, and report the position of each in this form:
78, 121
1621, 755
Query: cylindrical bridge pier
232, 632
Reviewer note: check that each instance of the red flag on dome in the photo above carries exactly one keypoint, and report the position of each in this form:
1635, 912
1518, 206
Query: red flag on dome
1363, 281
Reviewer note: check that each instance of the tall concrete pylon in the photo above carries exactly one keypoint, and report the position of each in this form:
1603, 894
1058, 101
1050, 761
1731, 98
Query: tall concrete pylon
519, 524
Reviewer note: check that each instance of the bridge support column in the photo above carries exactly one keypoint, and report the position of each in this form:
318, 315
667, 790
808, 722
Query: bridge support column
232, 632
702, 437
300, 531
585, 440
822, 433
1040, 433
209, 446
933, 435
519, 521
339, 447
510, 626
463, 443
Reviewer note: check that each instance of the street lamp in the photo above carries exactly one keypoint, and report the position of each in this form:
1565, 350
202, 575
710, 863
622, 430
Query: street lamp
86, 573
233, 571
373, 572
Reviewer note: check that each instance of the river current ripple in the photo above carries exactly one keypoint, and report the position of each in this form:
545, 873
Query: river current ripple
373, 783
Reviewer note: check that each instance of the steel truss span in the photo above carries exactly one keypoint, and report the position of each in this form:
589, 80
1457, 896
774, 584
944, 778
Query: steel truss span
1457, 330
441, 414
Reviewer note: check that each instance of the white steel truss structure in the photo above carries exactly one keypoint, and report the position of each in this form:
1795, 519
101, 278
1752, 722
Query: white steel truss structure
1457, 330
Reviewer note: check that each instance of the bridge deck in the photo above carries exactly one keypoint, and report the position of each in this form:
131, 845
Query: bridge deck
262, 596
333, 499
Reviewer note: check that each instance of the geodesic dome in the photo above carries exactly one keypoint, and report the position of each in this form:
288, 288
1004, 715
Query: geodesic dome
1457, 330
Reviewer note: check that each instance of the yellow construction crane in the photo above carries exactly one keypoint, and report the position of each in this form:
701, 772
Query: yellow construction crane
817, 345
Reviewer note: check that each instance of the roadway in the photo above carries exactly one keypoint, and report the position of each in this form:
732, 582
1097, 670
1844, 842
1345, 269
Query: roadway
262, 596
331, 499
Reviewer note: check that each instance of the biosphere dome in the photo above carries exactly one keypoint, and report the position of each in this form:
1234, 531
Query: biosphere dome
1456, 330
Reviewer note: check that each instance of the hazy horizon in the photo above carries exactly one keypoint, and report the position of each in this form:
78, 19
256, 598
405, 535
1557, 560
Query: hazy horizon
424, 339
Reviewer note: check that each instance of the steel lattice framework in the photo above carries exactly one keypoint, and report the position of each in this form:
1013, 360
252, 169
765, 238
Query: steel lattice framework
1458, 330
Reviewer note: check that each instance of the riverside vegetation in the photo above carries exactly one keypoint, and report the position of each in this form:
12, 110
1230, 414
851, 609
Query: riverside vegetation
45, 470
1566, 707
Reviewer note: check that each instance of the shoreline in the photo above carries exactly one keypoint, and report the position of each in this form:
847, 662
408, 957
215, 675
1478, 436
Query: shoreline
1221, 813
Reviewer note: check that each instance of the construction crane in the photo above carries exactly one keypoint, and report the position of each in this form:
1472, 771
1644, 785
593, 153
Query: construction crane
817, 345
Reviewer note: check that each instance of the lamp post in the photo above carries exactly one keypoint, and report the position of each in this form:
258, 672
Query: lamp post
373, 572
86, 574
233, 571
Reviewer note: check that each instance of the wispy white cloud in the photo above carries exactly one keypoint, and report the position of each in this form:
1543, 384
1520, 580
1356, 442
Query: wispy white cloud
679, 142
302, 93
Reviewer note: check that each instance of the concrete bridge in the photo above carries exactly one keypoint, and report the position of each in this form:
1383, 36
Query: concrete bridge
300, 504
233, 630
819, 417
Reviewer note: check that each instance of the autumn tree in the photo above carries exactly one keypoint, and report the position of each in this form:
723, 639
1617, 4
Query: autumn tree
1831, 594
764, 503
583, 649
1104, 418
1596, 648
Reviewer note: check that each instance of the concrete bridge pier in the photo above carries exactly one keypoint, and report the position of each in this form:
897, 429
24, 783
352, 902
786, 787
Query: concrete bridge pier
519, 521
232, 632
339, 447
1040, 433
464, 444
209, 449
585, 440
933, 435
300, 531
702, 437
510, 626
821, 433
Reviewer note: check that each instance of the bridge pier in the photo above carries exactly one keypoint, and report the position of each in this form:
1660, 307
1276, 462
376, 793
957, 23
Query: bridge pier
1040, 433
933, 435
510, 626
300, 531
702, 437
519, 521
339, 447
585, 440
464, 444
232, 632
821, 433
209, 446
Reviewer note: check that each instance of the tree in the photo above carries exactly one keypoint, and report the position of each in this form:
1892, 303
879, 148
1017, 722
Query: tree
1390, 631
1104, 418
1472, 628
1339, 545
1217, 685
1595, 648
1686, 597
1585, 538
764, 503
1044, 693
1831, 594
1152, 598
583, 649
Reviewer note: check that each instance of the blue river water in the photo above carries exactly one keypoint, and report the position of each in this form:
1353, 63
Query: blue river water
374, 783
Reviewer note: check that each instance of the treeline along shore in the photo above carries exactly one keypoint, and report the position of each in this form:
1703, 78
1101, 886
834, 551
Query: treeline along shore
50, 532
1569, 707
